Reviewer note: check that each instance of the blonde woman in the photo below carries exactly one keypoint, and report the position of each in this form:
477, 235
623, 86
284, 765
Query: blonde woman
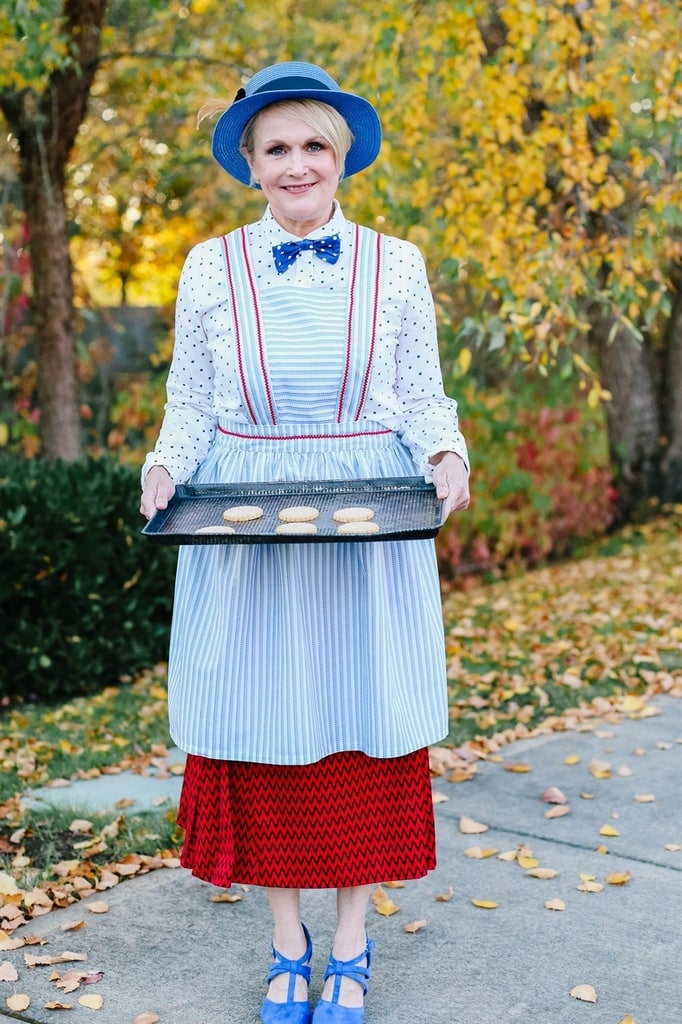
306, 681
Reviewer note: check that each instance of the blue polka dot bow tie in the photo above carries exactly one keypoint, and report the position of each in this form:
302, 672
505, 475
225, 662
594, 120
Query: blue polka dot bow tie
326, 248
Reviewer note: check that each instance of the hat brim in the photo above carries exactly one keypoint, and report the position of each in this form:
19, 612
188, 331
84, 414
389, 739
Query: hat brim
360, 115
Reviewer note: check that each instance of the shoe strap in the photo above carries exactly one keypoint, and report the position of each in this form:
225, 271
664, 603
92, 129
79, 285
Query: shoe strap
293, 967
352, 969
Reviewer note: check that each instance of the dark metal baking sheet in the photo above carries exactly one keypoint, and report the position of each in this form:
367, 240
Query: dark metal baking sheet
405, 508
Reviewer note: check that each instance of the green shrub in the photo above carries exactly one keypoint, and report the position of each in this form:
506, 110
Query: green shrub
85, 600
541, 479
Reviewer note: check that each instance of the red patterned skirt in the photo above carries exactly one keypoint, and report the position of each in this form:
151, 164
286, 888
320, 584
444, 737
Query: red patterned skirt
346, 820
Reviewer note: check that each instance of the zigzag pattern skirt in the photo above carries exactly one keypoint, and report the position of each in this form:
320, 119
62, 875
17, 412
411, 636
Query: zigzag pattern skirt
346, 820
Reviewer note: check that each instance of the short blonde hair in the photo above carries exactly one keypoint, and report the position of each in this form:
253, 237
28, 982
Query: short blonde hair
326, 121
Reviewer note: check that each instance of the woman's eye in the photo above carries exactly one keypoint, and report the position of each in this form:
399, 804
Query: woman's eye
276, 150
315, 147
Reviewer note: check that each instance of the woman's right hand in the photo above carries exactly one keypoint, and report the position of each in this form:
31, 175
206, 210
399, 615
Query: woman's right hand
158, 491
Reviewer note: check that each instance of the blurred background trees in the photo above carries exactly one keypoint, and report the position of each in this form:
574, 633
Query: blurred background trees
531, 150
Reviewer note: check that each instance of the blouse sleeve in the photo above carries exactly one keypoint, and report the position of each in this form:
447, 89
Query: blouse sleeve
189, 421
429, 417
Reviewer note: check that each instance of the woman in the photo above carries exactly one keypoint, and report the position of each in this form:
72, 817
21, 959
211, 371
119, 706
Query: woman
306, 681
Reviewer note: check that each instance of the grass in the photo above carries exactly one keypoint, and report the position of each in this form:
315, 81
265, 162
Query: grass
524, 652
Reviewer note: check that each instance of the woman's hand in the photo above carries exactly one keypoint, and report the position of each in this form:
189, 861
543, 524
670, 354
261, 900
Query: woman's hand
451, 480
158, 491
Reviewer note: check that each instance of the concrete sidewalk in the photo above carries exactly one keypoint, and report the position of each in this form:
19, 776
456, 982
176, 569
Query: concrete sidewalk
165, 948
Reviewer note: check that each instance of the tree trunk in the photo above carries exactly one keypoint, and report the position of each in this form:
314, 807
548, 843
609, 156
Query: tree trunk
54, 315
632, 416
45, 126
671, 466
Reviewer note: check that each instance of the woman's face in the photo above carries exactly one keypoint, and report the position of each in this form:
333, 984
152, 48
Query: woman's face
296, 169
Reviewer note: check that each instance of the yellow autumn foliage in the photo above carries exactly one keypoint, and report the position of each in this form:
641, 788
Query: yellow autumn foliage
529, 149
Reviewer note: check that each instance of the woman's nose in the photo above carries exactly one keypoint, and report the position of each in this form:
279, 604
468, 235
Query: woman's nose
297, 164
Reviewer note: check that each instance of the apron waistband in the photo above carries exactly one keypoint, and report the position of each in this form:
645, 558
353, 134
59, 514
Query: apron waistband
305, 435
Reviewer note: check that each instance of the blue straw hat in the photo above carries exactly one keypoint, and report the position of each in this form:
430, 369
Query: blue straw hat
295, 80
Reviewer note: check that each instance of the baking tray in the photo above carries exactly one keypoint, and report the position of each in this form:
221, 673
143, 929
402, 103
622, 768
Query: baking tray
405, 508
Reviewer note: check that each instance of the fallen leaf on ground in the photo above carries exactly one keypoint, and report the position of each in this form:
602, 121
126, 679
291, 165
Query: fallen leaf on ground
59, 1006
68, 982
18, 1003
8, 971
553, 795
558, 812
508, 855
74, 926
439, 798
602, 849
479, 853
92, 977
384, 904
590, 887
445, 897
518, 767
673, 847
62, 958
146, 1018
542, 873
414, 926
387, 908
394, 885
645, 798
572, 759
627, 1019
587, 796
98, 907
528, 862
8, 944
555, 904
619, 878
608, 830
600, 769
227, 897
81, 825
485, 904
93, 1002
624, 772
8, 887
470, 827
586, 993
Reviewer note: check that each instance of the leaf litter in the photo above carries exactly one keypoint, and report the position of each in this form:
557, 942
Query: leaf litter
501, 717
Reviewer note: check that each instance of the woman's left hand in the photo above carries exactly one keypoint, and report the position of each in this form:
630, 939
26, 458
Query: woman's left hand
451, 480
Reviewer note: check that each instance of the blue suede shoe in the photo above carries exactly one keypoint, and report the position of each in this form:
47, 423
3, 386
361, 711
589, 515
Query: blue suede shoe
291, 1011
332, 1012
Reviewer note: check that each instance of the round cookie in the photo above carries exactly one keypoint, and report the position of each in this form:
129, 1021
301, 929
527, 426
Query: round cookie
298, 514
358, 527
242, 513
296, 527
215, 529
353, 514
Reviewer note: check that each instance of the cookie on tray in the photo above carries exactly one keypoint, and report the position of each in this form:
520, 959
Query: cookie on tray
297, 527
242, 513
353, 514
298, 514
360, 526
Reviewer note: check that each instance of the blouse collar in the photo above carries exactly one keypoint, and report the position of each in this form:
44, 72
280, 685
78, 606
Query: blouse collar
335, 225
